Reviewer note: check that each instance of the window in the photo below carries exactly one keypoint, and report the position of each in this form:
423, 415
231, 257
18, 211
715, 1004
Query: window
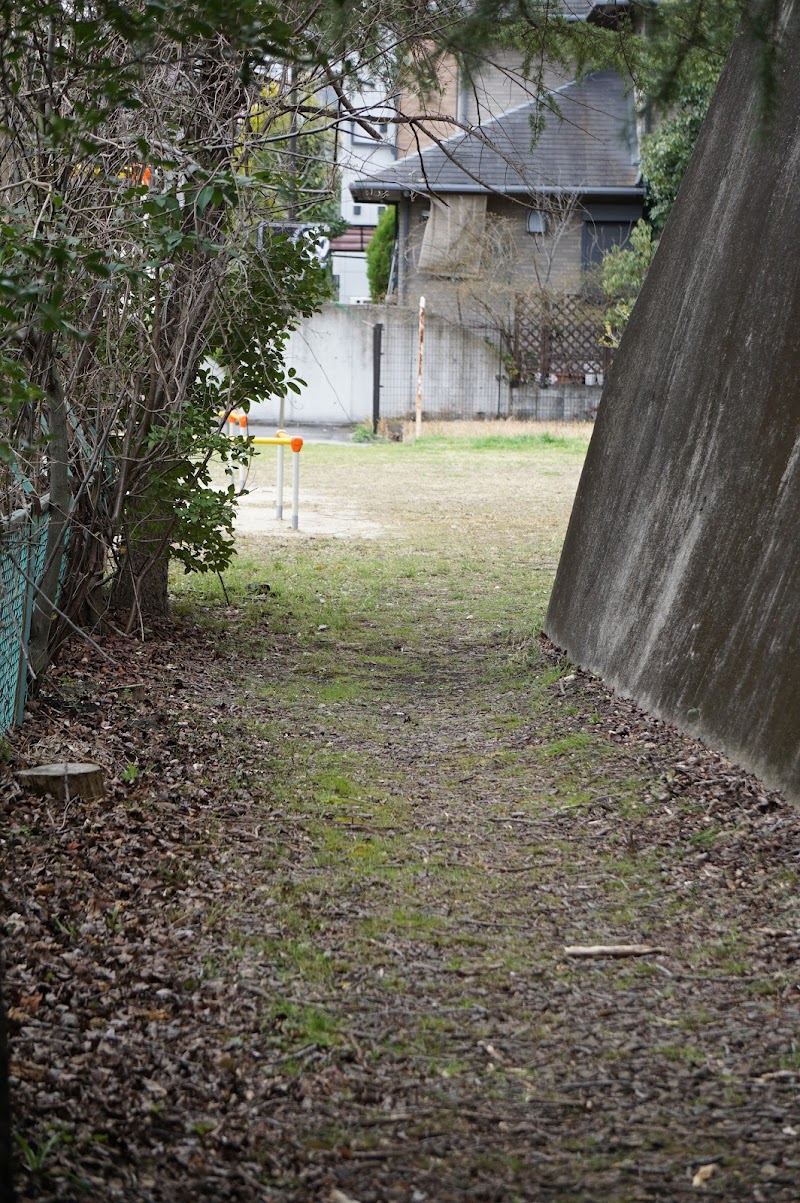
536, 222
599, 237
356, 210
604, 226
453, 237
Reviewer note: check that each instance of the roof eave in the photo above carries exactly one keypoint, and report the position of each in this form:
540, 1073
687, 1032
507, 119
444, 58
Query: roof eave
378, 192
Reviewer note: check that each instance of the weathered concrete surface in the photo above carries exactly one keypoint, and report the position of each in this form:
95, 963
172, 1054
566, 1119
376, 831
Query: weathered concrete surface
679, 581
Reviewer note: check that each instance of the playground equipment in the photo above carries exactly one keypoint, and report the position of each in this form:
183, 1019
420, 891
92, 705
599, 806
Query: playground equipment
280, 441
237, 428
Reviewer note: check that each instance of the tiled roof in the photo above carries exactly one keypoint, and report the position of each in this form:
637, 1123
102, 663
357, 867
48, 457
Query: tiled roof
580, 10
589, 147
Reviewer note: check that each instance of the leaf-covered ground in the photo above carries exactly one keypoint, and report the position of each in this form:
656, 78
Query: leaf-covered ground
311, 945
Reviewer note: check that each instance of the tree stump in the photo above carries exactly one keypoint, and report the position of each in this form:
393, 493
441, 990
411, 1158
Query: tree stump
65, 781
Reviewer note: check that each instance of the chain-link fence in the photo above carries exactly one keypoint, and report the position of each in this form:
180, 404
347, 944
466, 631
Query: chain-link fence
547, 363
23, 542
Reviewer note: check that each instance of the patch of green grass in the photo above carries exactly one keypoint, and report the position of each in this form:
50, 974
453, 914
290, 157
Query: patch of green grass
415, 922
765, 987
332, 785
435, 444
568, 743
509, 722
696, 1018
341, 689
452, 1068
706, 837
293, 1024
730, 954
682, 1053
363, 433
36, 1154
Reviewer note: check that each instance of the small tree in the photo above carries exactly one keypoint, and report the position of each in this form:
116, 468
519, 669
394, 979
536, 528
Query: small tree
622, 275
380, 250
666, 153
129, 249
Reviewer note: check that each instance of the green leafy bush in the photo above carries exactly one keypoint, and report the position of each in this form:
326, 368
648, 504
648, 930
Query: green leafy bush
622, 274
379, 254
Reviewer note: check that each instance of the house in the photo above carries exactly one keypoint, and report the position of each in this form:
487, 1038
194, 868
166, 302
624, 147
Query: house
491, 214
500, 231
359, 152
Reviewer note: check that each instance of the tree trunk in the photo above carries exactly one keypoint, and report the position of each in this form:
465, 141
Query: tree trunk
65, 780
140, 587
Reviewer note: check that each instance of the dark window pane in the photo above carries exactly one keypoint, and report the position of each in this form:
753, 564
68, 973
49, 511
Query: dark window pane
599, 237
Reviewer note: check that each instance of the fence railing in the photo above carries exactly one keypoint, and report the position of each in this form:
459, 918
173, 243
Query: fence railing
557, 339
23, 543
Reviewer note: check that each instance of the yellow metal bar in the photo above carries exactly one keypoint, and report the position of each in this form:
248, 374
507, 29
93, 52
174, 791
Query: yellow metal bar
293, 443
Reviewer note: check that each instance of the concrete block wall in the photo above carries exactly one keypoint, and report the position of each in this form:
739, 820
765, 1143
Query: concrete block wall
463, 377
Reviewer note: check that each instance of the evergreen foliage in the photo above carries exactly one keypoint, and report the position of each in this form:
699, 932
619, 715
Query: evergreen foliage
622, 274
379, 254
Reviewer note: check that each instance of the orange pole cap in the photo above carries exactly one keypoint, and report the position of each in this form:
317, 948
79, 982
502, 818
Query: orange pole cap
297, 444
232, 418
242, 419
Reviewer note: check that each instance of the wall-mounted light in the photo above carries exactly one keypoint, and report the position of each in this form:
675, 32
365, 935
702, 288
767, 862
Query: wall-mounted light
536, 222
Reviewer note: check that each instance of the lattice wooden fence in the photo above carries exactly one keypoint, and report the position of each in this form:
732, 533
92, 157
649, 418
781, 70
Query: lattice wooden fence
557, 339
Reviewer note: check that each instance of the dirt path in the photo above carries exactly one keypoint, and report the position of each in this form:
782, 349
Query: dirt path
315, 944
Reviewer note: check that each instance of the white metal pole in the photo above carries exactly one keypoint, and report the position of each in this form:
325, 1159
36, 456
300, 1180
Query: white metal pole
232, 432
279, 482
281, 434
242, 467
295, 488
420, 364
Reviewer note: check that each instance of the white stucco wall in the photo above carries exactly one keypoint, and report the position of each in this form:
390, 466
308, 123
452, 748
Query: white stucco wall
332, 353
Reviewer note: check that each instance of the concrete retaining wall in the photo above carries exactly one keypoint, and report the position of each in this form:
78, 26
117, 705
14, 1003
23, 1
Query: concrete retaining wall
332, 353
680, 577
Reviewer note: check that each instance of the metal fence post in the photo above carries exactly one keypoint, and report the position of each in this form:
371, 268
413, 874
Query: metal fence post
279, 478
420, 368
377, 338
296, 484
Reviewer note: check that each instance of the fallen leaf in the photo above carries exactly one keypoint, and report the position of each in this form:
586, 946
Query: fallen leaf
704, 1173
27, 1071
